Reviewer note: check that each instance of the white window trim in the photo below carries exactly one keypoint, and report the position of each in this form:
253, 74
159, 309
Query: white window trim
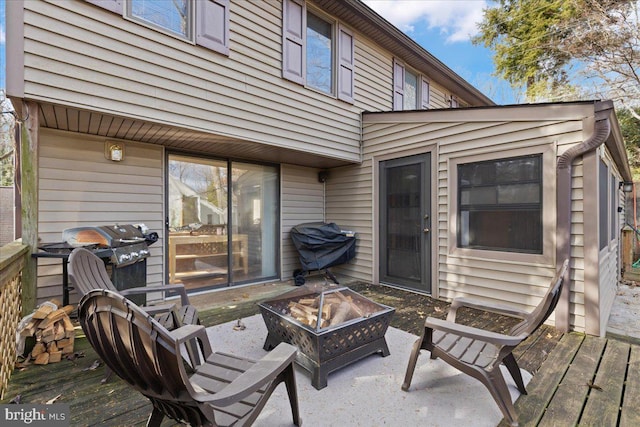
549, 207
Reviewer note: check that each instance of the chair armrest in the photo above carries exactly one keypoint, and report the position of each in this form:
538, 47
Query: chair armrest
179, 289
159, 308
254, 378
484, 306
186, 333
474, 333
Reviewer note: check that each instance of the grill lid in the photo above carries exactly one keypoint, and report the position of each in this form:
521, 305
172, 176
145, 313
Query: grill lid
105, 235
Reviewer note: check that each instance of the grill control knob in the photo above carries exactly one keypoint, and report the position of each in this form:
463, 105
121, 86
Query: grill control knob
134, 255
125, 257
144, 252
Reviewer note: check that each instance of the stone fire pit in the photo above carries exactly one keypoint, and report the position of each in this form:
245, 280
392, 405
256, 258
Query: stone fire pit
331, 326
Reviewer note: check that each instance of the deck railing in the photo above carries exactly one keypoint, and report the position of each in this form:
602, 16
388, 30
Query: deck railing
13, 257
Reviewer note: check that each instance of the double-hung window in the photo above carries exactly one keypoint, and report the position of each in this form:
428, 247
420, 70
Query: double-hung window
203, 22
500, 205
410, 89
173, 16
317, 51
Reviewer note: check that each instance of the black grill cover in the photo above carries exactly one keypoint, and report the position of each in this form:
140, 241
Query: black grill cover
322, 245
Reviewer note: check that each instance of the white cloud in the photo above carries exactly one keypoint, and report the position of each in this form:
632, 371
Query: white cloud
456, 19
3, 37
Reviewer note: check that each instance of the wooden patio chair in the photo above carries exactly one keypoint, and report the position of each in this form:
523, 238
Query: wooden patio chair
222, 390
87, 272
479, 353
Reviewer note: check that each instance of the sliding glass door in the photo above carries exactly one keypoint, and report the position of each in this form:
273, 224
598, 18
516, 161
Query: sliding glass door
222, 219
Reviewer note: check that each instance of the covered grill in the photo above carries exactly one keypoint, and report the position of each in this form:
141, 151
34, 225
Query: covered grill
320, 246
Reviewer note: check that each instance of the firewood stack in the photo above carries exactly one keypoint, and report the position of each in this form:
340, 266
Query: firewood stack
53, 332
336, 309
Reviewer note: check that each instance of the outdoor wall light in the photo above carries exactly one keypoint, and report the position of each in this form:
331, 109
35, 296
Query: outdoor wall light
626, 186
114, 151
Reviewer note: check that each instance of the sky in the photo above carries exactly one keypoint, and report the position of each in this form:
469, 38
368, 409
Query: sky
442, 27
445, 28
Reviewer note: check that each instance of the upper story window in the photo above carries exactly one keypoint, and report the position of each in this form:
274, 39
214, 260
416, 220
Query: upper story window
410, 89
173, 16
500, 205
203, 22
319, 53
316, 51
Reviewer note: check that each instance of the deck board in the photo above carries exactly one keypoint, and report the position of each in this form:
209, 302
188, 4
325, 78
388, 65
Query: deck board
543, 385
603, 404
630, 413
566, 405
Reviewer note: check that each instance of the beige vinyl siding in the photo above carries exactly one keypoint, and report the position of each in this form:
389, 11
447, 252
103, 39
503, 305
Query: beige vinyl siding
483, 274
609, 260
79, 187
80, 55
349, 204
302, 201
373, 77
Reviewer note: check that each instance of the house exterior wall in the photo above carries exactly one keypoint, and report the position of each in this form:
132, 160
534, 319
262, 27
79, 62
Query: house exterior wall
81, 55
302, 200
80, 187
453, 137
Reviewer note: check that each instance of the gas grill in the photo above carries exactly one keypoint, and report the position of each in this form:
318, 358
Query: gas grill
123, 248
125, 244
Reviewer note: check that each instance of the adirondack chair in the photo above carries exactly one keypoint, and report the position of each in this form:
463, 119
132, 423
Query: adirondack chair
88, 272
222, 390
478, 352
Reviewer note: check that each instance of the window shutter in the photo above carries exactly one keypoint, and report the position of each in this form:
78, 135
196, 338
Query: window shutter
212, 25
293, 27
424, 93
398, 85
345, 64
114, 6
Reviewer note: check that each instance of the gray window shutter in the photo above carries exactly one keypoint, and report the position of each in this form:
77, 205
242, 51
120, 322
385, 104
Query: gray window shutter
398, 86
424, 93
212, 25
294, 18
114, 6
345, 64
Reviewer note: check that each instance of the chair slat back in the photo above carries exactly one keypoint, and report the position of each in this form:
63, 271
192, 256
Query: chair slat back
135, 346
87, 272
546, 306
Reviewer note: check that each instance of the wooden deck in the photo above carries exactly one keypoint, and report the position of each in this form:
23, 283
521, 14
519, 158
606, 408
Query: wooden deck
577, 379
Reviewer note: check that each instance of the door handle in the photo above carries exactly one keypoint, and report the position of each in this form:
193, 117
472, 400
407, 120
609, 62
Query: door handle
426, 230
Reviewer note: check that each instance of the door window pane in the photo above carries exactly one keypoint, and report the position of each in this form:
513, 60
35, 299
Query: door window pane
255, 221
319, 54
500, 205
